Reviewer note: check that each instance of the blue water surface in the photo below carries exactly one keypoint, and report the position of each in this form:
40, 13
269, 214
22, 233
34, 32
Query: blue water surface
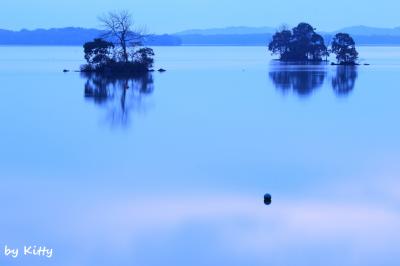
171, 169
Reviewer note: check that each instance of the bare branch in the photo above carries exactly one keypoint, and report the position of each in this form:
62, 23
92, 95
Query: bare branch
119, 28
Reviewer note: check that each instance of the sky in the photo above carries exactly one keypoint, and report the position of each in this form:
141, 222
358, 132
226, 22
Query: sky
169, 16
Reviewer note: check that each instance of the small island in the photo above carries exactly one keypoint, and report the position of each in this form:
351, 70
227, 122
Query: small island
119, 52
303, 44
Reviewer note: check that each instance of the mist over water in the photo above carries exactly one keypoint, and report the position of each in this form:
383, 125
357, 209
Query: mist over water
171, 168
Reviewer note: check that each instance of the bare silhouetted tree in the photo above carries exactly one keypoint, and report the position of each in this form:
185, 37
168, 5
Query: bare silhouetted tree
119, 27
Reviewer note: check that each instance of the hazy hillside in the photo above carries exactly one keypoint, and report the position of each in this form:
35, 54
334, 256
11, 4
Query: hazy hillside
240, 36
69, 36
229, 31
355, 30
226, 39
371, 31
261, 36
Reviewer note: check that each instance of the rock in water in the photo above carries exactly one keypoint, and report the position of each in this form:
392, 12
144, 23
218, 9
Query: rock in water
267, 199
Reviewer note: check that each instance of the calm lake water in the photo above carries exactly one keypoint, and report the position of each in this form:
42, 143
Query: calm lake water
172, 171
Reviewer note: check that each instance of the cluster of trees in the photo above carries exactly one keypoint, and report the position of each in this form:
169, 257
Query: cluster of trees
344, 47
302, 43
120, 50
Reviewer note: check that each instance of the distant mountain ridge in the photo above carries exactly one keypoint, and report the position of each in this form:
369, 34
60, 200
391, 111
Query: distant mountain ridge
354, 30
235, 36
371, 31
246, 36
228, 31
69, 36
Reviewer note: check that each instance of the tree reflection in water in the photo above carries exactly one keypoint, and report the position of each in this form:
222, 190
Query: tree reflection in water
344, 80
305, 80
119, 95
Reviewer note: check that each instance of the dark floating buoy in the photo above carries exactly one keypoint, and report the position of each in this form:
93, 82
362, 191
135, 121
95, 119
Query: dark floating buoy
162, 70
267, 199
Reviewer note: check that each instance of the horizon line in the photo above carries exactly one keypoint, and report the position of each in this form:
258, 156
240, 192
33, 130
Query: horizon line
200, 29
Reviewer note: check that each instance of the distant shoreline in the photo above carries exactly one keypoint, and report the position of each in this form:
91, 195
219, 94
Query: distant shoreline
78, 36
182, 45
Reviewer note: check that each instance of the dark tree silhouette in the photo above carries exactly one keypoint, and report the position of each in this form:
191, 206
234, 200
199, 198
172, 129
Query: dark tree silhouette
144, 56
300, 44
98, 52
318, 49
119, 27
118, 55
301, 41
344, 47
280, 43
